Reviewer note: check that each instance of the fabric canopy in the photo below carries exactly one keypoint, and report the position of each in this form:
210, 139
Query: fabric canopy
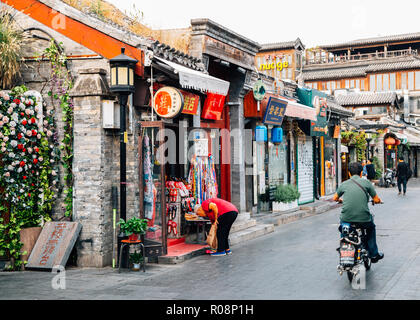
297, 110
193, 79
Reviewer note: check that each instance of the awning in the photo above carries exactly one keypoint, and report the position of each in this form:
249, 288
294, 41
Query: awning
410, 138
193, 79
297, 110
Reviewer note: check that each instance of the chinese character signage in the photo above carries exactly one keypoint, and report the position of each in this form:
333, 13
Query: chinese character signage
191, 102
213, 106
319, 127
54, 244
168, 102
274, 112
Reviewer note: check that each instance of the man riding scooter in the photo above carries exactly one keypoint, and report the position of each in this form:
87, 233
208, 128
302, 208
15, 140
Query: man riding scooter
355, 192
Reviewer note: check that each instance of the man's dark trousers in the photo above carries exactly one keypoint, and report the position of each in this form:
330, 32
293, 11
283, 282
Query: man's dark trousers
403, 181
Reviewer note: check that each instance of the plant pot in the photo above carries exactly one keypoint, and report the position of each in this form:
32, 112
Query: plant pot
136, 267
28, 236
282, 206
133, 237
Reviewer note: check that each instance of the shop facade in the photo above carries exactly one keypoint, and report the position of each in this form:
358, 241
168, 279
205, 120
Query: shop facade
278, 147
325, 133
179, 147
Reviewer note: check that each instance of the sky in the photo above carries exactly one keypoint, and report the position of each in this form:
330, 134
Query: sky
315, 22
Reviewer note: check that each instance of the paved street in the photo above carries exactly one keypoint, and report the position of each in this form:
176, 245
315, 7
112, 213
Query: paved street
297, 261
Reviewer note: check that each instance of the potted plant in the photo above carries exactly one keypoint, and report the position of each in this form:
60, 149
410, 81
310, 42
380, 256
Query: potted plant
286, 197
133, 227
136, 259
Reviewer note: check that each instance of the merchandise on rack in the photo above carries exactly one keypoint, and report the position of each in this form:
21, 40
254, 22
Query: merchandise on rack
179, 202
202, 177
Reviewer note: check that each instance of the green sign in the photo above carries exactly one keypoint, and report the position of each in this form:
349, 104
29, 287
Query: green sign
259, 90
319, 128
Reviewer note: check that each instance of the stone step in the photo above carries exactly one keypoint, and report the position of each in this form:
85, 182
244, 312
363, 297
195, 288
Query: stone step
242, 224
250, 233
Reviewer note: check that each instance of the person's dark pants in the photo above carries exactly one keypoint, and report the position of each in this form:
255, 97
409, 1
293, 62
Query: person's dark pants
403, 181
223, 228
370, 237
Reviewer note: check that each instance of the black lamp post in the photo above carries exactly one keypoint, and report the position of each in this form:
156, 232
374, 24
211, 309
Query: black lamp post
368, 139
122, 83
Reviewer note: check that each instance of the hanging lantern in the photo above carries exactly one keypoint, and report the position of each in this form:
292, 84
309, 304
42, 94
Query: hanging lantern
390, 141
397, 142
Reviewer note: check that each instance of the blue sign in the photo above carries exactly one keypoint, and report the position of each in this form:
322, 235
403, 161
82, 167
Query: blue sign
274, 112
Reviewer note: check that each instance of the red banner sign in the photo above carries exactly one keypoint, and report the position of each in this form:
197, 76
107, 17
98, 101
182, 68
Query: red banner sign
190, 103
213, 106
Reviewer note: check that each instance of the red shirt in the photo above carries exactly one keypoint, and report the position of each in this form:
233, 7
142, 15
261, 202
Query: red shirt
223, 206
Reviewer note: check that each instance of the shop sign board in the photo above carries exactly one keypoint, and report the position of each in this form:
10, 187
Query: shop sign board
274, 112
191, 102
201, 147
213, 106
54, 244
259, 90
168, 102
336, 132
319, 127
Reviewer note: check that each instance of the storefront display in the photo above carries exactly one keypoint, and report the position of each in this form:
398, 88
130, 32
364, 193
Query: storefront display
305, 172
152, 183
202, 177
330, 165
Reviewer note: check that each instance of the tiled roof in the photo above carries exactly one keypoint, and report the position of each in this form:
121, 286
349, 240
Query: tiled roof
336, 108
413, 64
281, 45
358, 69
171, 54
337, 73
375, 40
366, 98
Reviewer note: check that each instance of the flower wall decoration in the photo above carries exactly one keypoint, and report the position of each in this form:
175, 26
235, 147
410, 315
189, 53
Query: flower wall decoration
29, 161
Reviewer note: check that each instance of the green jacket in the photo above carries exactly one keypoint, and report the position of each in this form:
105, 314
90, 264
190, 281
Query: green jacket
355, 202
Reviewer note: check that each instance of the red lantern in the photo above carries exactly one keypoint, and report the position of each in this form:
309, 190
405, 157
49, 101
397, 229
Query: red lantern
390, 141
397, 142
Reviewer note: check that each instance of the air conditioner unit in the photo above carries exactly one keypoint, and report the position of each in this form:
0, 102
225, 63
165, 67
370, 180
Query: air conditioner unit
418, 122
110, 114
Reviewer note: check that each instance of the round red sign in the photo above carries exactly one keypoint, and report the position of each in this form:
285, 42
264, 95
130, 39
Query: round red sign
168, 102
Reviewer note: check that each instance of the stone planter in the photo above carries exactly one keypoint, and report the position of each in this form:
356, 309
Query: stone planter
28, 236
282, 206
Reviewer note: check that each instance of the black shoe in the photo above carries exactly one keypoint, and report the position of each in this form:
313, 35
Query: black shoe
377, 258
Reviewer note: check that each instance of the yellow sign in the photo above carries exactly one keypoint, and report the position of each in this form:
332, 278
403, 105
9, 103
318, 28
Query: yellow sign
125, 137
271, 66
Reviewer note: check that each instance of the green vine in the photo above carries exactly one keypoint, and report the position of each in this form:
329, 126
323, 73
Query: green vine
357, 139
60, 85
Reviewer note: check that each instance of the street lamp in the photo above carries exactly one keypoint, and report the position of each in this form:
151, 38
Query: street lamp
368, 139
122, 83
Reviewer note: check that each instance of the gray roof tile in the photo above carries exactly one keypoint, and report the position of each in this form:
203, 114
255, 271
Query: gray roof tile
366, 98
374, 40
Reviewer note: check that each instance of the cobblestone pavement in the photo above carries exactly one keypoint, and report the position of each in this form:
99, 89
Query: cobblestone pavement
297, 261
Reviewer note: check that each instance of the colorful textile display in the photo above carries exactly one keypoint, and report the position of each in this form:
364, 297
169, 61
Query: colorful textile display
149, 187
202, 177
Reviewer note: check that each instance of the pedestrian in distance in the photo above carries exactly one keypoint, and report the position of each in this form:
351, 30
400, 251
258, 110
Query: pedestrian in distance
364, 173
403, 174
226, 214
370, 170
